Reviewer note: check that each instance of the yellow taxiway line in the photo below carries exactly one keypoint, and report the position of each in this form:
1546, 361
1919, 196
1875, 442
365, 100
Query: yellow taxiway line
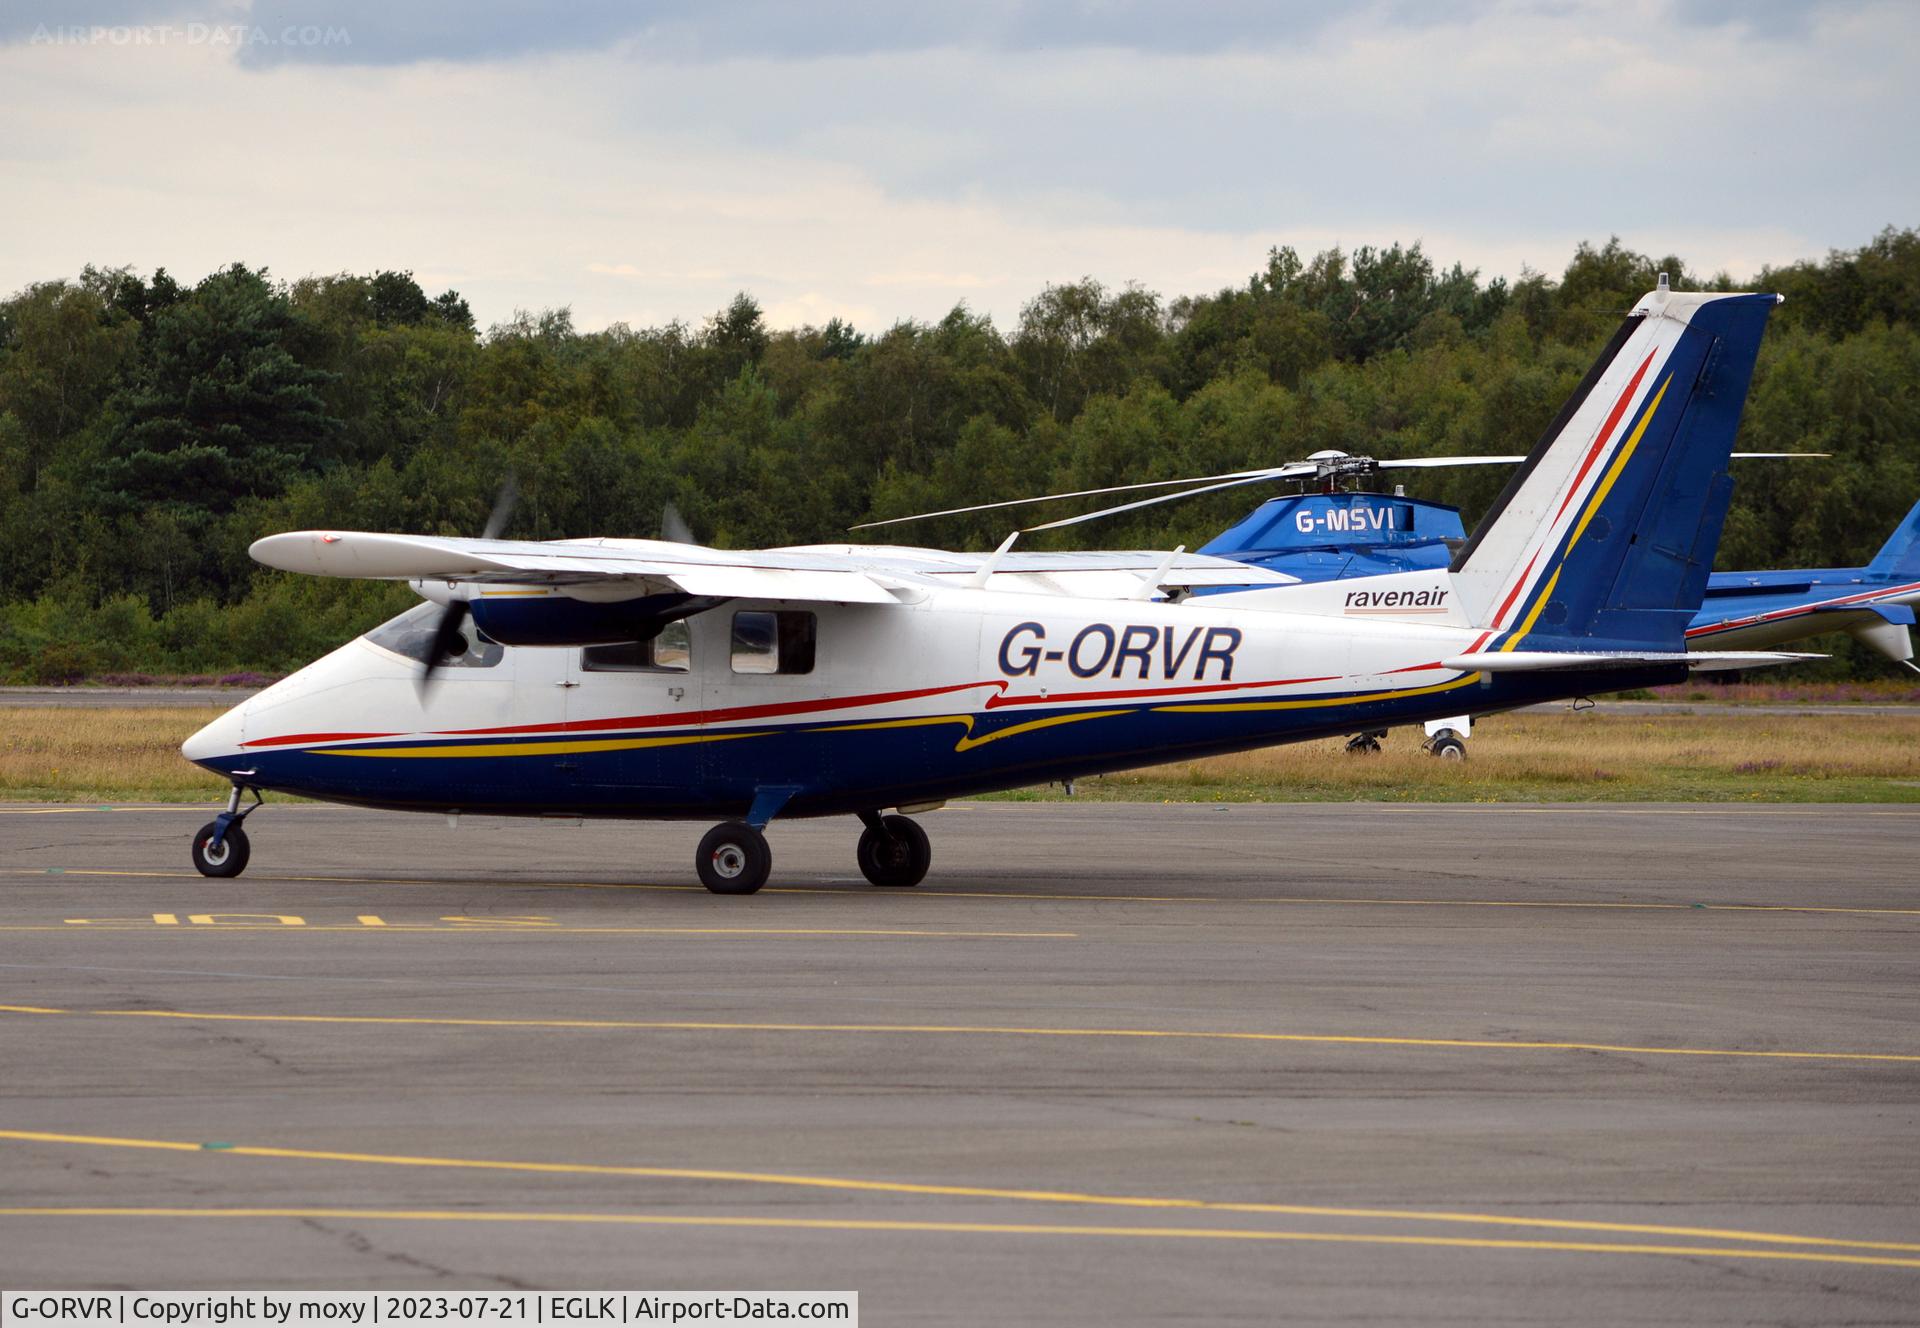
1021, 896
978, 1030
978, 1228
926, 1190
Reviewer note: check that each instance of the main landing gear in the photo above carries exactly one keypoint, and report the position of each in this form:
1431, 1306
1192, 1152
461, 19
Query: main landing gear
733, 858
894, 852
220, 846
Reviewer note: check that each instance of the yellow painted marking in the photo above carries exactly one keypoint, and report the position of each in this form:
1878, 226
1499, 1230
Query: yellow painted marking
30, 1009
536, 748
923, 892
978, 1228
997, 1030
370, 920
1212, 707
252, 919
959, 1191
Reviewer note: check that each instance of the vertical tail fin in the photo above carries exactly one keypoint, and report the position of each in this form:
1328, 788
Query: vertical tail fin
1899, 557
1607, 532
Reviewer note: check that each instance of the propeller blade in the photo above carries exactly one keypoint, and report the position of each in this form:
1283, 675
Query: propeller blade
503, 504
1050, 497
1297, 470
674, 527
449, 642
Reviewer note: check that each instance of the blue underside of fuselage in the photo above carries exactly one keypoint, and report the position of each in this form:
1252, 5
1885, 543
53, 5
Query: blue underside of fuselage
834, 769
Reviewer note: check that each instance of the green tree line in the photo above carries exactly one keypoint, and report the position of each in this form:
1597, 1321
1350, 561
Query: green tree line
150, 430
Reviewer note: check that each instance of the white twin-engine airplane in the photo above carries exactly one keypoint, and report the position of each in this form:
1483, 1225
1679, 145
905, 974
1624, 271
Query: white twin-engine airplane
651, 679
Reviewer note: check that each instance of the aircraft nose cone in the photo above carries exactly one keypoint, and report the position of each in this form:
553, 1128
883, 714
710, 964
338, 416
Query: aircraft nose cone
220, 739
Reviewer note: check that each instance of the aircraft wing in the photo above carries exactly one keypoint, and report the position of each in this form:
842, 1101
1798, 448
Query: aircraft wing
629, 567
613, 569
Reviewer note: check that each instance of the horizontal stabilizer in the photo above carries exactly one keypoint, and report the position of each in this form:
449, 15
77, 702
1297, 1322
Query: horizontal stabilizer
1541, 661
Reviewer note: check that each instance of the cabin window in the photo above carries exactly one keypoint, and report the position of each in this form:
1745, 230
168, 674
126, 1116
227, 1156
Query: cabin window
766, 641
411, 634
670, 651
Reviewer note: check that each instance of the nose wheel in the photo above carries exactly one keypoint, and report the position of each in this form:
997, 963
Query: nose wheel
220, 847
894, 852
733, 859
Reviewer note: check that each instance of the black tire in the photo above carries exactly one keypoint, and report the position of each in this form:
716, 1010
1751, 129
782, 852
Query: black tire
733, 859
230, 859
1447, 746
897, 855
1363, 744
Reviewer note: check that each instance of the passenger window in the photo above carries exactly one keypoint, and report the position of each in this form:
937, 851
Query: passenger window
670, 651
773, 641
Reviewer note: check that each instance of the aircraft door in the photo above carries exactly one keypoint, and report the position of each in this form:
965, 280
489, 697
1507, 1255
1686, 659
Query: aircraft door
767, 670
627, 703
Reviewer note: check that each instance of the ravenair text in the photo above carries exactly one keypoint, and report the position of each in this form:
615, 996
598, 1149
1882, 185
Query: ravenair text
1360, 601
1122, 650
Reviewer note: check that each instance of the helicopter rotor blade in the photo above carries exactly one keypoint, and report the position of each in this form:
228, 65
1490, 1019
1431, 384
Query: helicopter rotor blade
1435, 463
1297, 470
1051, 497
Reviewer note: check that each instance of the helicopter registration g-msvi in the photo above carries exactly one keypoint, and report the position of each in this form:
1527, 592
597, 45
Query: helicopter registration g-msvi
653, 679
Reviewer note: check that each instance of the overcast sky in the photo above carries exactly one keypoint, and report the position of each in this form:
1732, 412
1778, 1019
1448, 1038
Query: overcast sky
642, 162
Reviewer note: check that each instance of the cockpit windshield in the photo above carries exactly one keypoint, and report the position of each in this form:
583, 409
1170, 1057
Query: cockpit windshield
411, 634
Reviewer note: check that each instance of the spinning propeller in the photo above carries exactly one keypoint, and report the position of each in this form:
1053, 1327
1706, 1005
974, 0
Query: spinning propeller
449, 641
1329, 468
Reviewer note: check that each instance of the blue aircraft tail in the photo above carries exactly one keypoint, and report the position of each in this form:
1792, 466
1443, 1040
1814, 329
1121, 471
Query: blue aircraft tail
1605, 536
1899, 557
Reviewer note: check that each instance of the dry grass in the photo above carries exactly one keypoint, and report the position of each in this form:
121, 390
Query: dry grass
102, 755
1717, 755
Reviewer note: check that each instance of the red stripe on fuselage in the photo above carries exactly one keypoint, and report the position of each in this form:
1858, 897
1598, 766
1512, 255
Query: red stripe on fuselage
728, 713
292, 738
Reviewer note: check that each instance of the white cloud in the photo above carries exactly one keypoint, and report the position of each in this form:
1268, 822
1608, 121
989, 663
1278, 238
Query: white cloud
877, 184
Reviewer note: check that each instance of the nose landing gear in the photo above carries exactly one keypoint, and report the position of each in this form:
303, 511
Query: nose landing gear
220, 847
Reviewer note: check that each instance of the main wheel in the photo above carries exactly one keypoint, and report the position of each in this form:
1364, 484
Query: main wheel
1447, 746
228, 858
733, 859
1363, 744
896, 855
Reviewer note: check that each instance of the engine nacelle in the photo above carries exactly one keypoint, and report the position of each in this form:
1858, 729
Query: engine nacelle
557, 620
